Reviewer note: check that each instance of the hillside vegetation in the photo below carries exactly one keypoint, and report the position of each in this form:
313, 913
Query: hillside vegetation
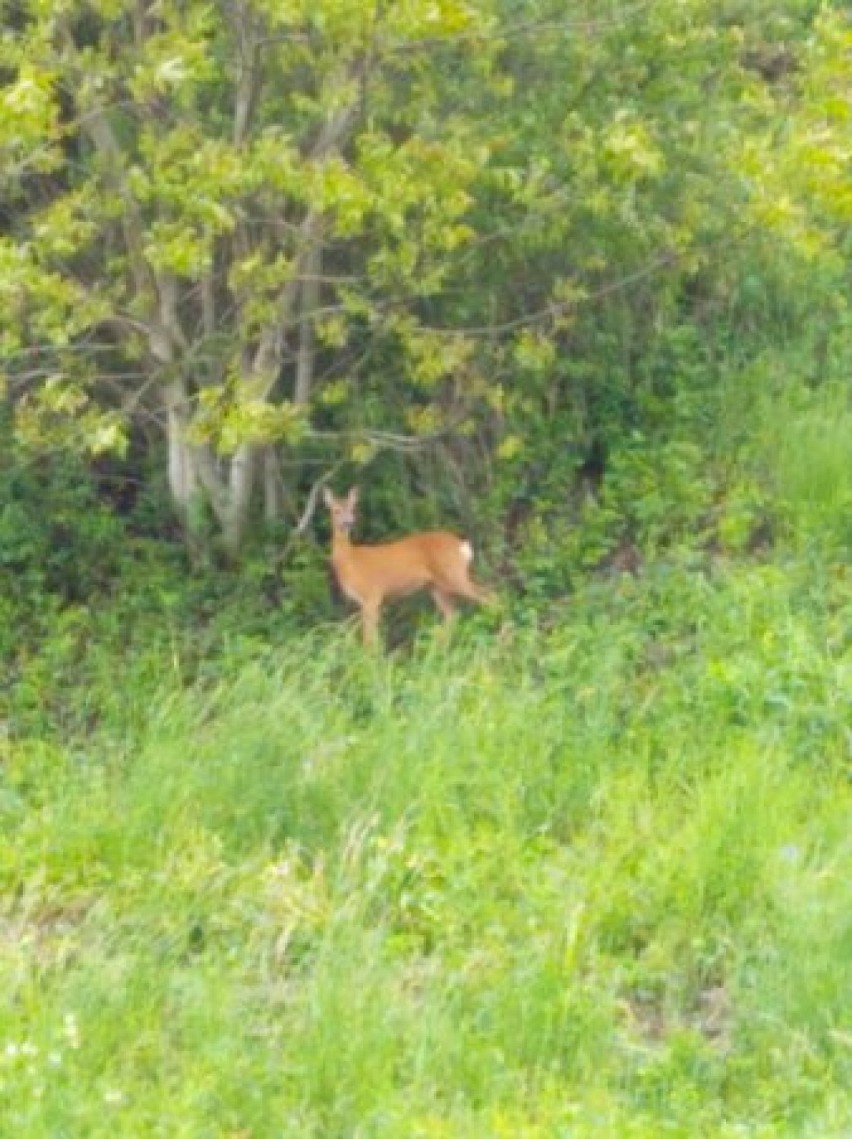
590, 879
571, 279
583, 871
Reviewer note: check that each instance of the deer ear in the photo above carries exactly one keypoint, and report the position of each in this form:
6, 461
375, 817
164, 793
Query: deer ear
353, 495
327, 497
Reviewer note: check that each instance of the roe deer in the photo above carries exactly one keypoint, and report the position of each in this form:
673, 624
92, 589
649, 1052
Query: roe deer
370, 575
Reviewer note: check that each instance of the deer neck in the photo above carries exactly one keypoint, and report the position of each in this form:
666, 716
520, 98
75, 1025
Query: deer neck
341, 545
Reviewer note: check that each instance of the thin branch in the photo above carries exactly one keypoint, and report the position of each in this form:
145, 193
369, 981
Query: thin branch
123, 322
389, 440
301, 527
558, 308
313, 497
554, 309
525, 28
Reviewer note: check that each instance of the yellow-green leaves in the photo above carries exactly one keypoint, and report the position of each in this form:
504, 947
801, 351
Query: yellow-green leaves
178, 61
61, 413
42, 305
798, 178
534, 351
433, 356
630, 151
66, 226
231, 414
29, 129
404, 20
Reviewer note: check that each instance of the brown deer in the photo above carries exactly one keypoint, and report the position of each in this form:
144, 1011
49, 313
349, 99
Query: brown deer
370, 575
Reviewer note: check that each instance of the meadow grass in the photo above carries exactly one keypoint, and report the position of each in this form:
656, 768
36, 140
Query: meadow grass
798, 435
586, 877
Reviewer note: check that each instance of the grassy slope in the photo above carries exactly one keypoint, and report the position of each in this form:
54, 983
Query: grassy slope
590, 880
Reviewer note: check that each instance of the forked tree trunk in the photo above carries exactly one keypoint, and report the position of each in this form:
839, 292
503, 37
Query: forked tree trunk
195, 475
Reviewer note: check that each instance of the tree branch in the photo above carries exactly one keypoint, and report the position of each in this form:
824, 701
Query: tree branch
248, 80
268, 355
159, 290
97, 125
309, 302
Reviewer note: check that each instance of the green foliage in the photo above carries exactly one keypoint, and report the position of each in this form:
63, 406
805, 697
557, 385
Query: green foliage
441, 221
55, 536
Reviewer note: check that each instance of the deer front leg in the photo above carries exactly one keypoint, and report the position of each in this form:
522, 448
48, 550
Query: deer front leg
370, 622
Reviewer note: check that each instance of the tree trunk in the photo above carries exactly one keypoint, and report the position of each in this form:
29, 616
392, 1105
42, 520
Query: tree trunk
236, 508
309, 302
272, 504
184, 480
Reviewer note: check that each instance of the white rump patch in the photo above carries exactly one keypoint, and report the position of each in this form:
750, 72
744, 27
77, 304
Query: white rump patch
466, 550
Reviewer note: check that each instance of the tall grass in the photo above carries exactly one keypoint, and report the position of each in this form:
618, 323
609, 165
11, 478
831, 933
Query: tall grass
586, 880
809, 434
798, 436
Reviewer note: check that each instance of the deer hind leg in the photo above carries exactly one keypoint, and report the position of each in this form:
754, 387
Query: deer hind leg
444, 601
478, 593
461, 584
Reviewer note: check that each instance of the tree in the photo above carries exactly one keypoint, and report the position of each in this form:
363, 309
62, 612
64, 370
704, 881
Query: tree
208, 200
